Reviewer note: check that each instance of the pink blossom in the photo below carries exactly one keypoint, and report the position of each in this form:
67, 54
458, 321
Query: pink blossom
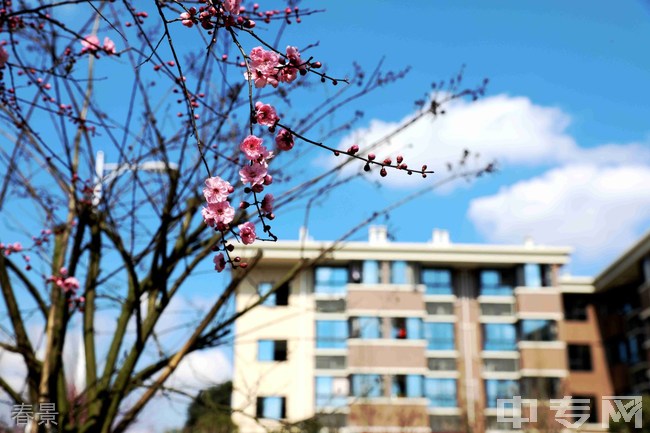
4, 56
264, 67
284, 140
294, 57
219, 262
216, 189
254, 173
186, 19
247, 233
265, 114
232, 6
90, 44
267, 203
253, 149
287, 74
70, 284
218, 214
109, 46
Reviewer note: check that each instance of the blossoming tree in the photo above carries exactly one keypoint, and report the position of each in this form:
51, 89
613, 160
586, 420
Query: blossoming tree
112, 245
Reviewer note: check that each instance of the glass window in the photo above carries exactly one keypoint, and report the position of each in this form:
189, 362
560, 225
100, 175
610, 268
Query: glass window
365, 327
263, 289
330, 362
272, 350
278, 298
370, 272
635, 347
538, 330
440, 308
499, 388
331, 334
330, 305
406, 328
489, 309
407, 385
367, 385
440, 336
579, 357
271, 407
499, 336
540, 387
330, 280
398, 271
646, 268
493, 283
437, 281
500, 365
440, 392
331, 391
575, 306
442, 364
532, 275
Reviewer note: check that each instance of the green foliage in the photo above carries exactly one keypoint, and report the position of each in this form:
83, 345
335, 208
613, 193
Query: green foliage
210, 411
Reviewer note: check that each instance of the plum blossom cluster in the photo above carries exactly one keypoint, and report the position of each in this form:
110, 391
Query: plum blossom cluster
70, 285
268, 67
4, 55
205, 15
9, 249
219, 214
90, 44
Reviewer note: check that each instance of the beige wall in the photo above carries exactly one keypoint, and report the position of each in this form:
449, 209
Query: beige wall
293, 378
539, 301
388, 415
392, 353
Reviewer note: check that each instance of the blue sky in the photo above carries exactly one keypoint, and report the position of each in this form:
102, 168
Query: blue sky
565, 115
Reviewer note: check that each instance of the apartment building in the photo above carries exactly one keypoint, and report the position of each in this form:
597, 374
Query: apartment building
383, 336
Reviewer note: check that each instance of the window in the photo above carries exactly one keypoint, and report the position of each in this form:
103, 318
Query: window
407, 385
498, 388
500, 365
366, 328
330, 280
445, 423
442, 364
540, 387
330, 362
593, 407
440, 392
493, 423
538, 330
398, 271
634, 345
497, 309
440, 336
367, 385
278, 298
272, 350
575, 307
330, 306
440, 308
406, 328
579, 357
331, 334
646, 268
495, 283
331, 391
271, 407
437, 281
370, 273
499, 336
532, 275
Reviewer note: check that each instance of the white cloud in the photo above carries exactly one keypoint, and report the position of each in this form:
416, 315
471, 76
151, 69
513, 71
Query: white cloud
597, 209
511, 130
